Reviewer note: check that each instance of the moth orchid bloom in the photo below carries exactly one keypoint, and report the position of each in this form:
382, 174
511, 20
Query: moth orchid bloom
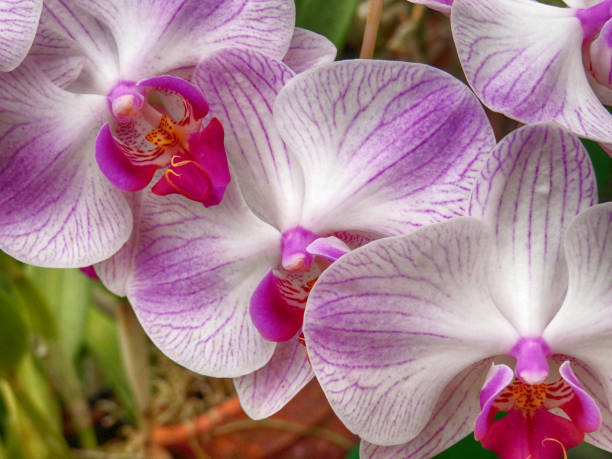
419, 339
322, 162
18, 23
536, 62
101, 103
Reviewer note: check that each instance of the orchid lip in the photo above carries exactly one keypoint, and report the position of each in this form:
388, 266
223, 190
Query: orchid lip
531, 364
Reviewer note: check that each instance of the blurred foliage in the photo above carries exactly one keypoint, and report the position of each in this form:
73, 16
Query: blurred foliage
602, 163
330, 18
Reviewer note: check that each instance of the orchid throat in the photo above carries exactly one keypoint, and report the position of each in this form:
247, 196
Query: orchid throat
157, 124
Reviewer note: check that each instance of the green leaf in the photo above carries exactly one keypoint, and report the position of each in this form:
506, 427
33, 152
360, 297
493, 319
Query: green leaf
68, 293
602, 163
14, 334
468, 448
102, 341
331, 18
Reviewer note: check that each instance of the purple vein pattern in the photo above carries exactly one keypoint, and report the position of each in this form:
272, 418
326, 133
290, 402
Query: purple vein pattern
385, 137
268, 389
516, 195
586, 310
391, 325
382, 322
443, 6
524, 59
18, 23
307, 50
194, 269
240, 87
453, 419
57, 209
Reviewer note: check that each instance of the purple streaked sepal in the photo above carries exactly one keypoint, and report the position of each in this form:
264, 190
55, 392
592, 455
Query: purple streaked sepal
308, 49
18, 25
443, 6
265, 391
386, 315
524, 58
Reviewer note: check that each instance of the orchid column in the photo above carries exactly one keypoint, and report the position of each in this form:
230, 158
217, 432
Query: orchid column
343, 154
511, 302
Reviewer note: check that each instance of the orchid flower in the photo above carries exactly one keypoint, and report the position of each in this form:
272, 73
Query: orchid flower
419, 339
18, 23
322, 162
101, 103
536, 62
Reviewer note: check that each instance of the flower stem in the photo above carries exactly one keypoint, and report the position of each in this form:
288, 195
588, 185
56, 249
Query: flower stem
371, 29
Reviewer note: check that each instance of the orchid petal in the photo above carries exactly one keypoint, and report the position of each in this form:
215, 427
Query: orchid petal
240, 87
581, 3
195, 270
582, 326
385, 146
17, 30
275, 319
592, 385
443, 6
308, 49
181, 29
536, 180
385, 317
116, 271
453, 419
267, 390
56, 209
331, 248
524, 59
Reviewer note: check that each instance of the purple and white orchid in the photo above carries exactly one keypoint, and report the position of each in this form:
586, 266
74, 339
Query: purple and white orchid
18, 24
419, 339
352, 151
536, 62
101, 103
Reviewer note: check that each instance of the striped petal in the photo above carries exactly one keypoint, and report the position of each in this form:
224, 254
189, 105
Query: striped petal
537, 179
583, 326
453, 419
18, 24
56, 208
308, 49
385, 146
195, 270
155, 36
267, 390
386, 331
524, 59
241, 86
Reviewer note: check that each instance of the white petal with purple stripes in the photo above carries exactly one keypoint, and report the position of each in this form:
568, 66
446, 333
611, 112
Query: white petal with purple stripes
18, 24
388, 326
453, 419
56, 208
385, 146
177, 31
537, 179
265, 391
443, 6
241, 87
195, 270
524, 59
308, 49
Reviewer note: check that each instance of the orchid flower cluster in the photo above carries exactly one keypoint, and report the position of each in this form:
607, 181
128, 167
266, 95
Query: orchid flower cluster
274, 216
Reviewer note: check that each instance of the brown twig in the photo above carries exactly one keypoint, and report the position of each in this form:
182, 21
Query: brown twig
371, 29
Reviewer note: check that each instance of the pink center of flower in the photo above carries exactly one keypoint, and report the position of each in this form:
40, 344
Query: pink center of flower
527, 427
277, 305
157, 123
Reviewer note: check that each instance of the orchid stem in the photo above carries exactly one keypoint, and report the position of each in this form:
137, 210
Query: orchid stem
371, 29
